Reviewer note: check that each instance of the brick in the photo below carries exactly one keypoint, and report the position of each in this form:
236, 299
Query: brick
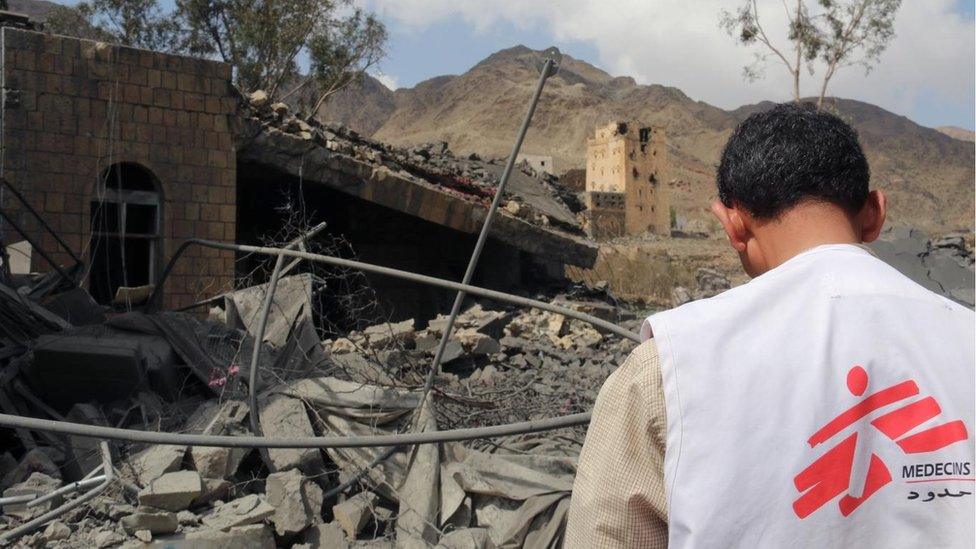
54, 202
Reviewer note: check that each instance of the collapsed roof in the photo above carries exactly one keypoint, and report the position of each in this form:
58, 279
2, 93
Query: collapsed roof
428, 182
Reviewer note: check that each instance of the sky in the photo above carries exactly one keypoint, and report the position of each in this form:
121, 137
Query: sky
926, 74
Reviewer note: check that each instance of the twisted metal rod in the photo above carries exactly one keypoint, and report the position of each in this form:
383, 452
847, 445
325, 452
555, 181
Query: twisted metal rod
357, 441
252, 379
549, 67
37, 523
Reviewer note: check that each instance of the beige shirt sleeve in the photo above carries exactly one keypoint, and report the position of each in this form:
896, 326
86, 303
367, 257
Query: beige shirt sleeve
618, 496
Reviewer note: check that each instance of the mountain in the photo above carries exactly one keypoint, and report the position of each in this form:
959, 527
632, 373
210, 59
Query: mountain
928, 175
956, 132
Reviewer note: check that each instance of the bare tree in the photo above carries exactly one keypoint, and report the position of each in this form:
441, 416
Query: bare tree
834, 33
865, 25
264, 40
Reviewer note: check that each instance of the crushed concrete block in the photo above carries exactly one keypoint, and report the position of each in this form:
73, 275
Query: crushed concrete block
55, 531
384, 334
557, 325
172, 491
84, 454
156, 521
37, 484
343, 345
242, 511
71, 368
211, 461
297, 502
477, 343
254, 536
329, 535
258, 98
36, 460
187, 518
217, 417
214, 489
426, 341
355, 513
282, 416
466, 538
108, 538
155, 461
116, 511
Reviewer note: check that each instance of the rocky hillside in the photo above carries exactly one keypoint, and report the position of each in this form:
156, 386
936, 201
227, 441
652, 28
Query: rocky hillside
928, 174
958, 133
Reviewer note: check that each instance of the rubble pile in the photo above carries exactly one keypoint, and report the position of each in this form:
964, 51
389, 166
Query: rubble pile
943, 265
532, 196
177, 372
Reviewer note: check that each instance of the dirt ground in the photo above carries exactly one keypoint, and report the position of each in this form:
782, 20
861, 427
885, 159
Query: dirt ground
646, 268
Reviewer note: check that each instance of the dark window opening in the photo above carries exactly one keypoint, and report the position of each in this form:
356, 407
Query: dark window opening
125, 223
652, 179
635, 173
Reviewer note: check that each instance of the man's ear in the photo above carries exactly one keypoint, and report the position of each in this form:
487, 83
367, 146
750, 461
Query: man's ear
872, 215
734, 225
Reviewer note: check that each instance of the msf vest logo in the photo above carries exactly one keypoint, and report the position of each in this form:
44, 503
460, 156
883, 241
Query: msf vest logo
830, 475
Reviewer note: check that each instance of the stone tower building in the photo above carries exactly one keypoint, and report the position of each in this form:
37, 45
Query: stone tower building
625, 181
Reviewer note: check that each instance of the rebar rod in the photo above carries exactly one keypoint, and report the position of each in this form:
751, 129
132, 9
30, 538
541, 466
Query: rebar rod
37, 523
548, 69
252, 378
70, 487
357, 441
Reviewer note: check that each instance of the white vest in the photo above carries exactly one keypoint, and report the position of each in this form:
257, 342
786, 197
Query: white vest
827, 403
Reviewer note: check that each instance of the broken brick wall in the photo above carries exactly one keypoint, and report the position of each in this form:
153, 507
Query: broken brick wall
74, 108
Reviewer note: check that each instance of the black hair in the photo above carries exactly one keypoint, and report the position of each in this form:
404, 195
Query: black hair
790, 154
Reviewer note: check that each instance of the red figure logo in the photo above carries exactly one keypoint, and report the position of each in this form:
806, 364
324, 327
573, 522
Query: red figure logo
830, 475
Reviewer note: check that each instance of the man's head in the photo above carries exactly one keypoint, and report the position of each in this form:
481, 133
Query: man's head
792, 178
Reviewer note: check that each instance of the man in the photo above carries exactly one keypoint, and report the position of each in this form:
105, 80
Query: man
827, 403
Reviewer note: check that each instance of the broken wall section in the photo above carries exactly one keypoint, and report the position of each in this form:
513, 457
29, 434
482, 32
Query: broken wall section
74, 108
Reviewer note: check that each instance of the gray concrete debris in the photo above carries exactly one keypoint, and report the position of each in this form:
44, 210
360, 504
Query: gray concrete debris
385, 334
156, 521
83, 453
187, 518
466, 538
258, 98
68, 368
155, 461
212, 461
37, 484
329, 535
253, 536
355, 513
240, 512
144, 536
214, 489
35, 460
297, 502
477, 343
172, 491
282, 416
108, 538
943, 265
55, 531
